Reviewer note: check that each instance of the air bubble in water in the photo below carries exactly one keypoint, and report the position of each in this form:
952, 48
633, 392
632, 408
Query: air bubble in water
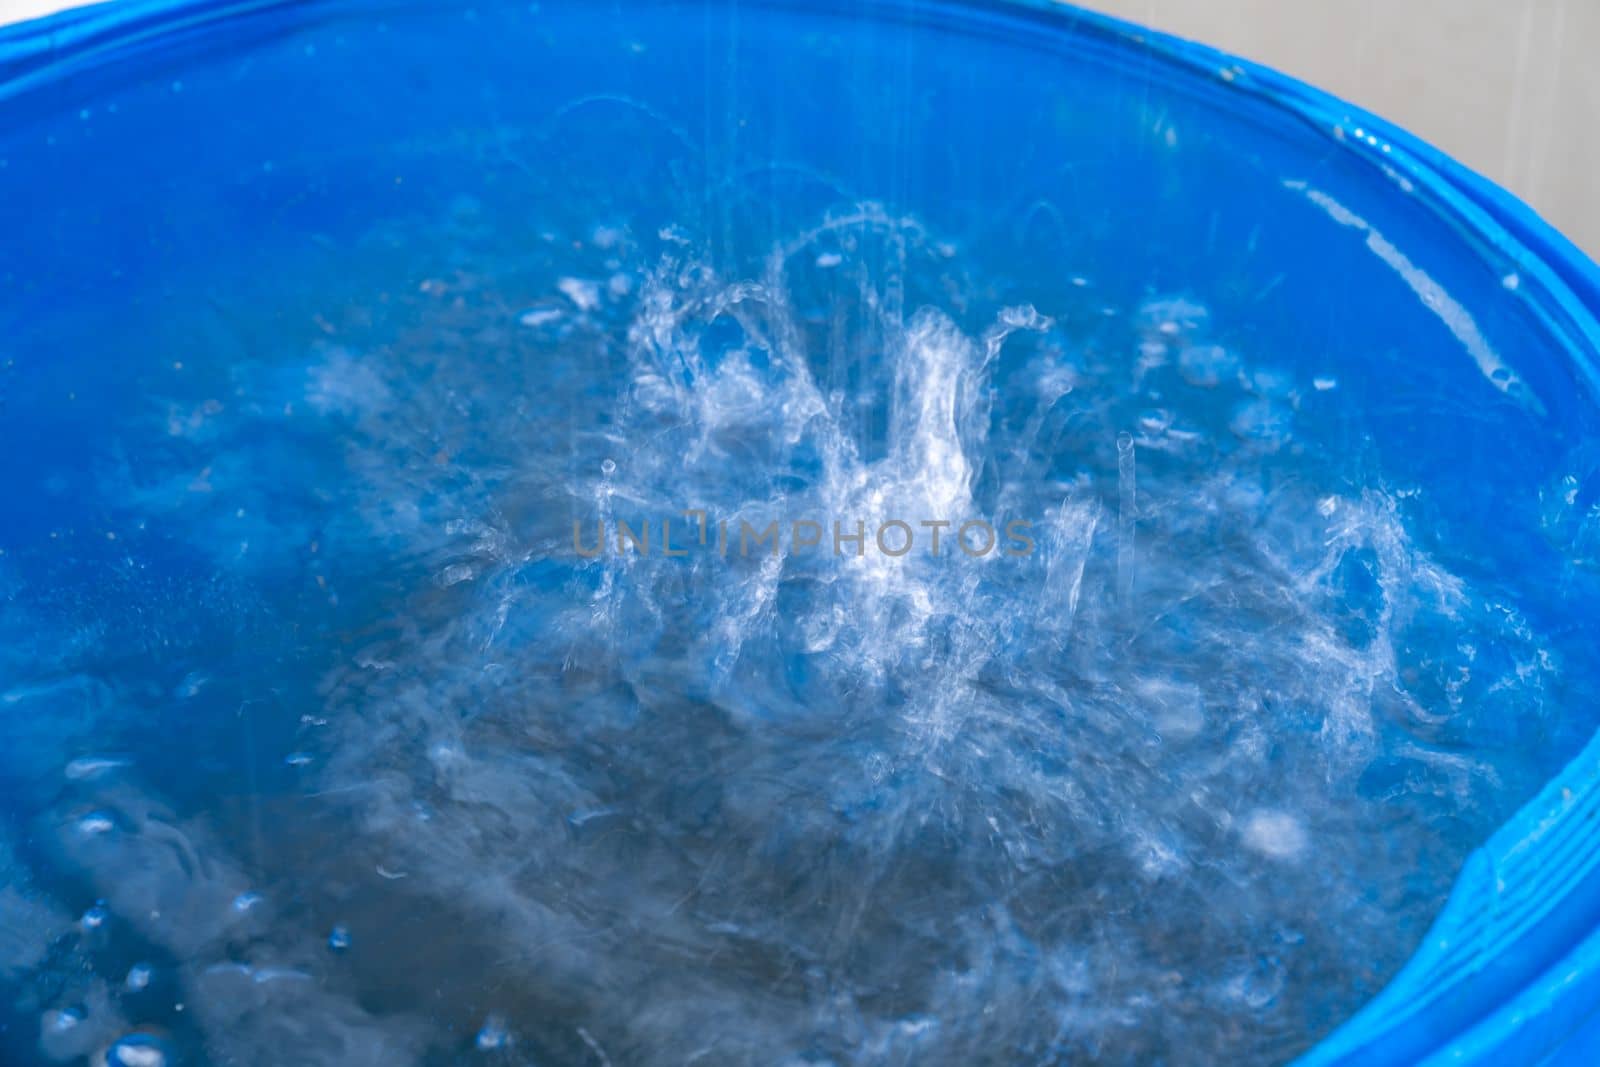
61, 1021
1276, 834
540, 316
138, 1050
96, 823
1207, 366
89, 768
493, 1034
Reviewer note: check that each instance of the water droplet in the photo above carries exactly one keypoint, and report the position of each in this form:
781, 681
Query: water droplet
245, 901
94, 918
139, 976
339, 938
608, 466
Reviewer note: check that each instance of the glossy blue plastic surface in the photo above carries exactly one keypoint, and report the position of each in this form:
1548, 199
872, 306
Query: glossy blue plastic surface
144, 145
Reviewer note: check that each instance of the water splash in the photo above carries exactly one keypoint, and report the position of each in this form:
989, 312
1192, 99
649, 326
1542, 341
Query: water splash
1224, 719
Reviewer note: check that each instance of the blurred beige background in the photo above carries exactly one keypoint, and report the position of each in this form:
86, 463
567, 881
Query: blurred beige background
16, 10
1509, 87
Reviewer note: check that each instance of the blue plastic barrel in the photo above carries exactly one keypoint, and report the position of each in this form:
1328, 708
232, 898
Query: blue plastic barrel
176, 178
